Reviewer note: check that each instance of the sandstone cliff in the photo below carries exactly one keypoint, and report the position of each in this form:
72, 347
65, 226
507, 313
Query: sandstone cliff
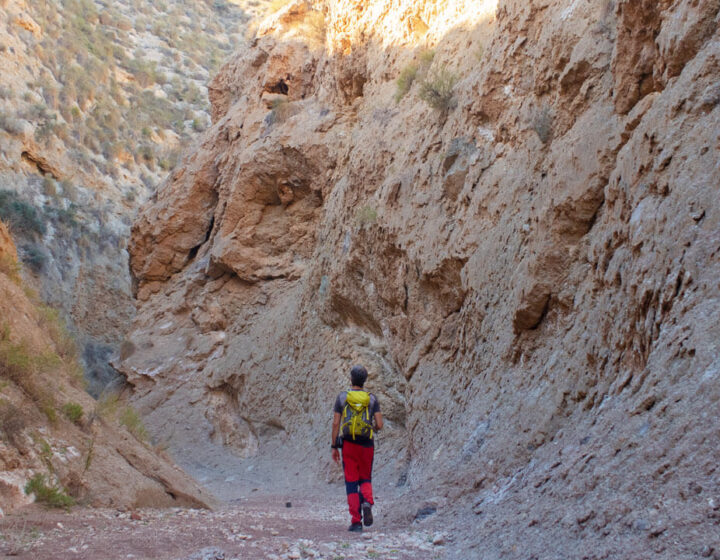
529, 269
51, 427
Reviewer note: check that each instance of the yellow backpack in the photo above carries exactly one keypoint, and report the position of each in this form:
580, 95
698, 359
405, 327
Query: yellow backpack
356, 420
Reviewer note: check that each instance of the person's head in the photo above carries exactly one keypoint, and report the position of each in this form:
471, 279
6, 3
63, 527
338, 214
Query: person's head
358, 375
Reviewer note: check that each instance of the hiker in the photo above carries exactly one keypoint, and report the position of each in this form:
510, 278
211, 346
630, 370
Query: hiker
356, 420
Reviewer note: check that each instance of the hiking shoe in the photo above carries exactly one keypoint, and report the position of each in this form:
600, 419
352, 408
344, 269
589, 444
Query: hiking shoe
367, 514
355, 528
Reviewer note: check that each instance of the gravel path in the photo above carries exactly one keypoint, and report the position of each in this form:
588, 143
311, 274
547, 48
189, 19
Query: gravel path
261, 526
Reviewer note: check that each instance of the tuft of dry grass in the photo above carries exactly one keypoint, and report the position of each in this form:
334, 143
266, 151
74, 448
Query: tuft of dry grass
437, 90
10, 268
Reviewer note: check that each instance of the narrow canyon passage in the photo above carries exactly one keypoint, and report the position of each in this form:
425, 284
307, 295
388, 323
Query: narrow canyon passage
507, 211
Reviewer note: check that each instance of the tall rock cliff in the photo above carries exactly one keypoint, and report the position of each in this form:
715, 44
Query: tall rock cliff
508, 212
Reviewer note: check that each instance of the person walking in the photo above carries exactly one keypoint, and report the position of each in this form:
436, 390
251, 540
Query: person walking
356, 420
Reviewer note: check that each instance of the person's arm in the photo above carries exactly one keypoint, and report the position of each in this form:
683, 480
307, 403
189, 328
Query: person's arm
378, 421
334, 435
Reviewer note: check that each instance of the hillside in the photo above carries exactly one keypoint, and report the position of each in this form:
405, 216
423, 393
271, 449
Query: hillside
97, 99
59, 446
509, 213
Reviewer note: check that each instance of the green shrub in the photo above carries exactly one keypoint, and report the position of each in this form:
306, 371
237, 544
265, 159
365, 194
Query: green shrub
73, 412
437, 90
22, 217
405, 81
51, 496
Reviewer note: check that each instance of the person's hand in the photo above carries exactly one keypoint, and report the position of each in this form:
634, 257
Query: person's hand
336, 455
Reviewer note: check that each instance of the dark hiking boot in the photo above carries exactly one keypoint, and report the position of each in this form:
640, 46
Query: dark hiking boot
367, 514
355, 528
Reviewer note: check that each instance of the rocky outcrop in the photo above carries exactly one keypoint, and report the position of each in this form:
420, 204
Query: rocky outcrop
528, 271
50, 426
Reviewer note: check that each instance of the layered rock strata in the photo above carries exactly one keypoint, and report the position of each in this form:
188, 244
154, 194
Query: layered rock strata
529, 271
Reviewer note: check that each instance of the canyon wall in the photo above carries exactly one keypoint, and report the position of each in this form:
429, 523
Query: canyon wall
509, 213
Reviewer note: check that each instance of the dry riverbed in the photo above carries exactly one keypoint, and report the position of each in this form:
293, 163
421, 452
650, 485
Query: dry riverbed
258, 527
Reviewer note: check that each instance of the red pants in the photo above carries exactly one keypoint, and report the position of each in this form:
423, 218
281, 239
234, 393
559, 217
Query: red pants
357, 465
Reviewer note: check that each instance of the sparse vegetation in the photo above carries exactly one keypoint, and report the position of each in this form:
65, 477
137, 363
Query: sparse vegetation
9, 123
366, 215
437, 90
20, 366
78, 98
12, 422
405, 81
51, 496
107, 406
34, 256
55, 326
411, 73
134, 424
89, 456
73, 412
20, 216
10, 268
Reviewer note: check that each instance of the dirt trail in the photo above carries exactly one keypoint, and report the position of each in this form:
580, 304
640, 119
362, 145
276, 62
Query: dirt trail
261, 526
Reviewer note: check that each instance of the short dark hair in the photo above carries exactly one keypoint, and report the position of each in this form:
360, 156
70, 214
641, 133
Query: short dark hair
358, 375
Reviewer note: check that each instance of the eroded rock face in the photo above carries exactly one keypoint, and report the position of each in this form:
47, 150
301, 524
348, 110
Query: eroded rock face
530, 277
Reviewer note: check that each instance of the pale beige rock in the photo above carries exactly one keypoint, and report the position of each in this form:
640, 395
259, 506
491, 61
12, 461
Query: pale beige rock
530, 277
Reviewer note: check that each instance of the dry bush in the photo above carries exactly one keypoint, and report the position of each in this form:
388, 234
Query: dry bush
282, 110
12, 422
10, 268
55, 326
134, 424
437, 90
18, 365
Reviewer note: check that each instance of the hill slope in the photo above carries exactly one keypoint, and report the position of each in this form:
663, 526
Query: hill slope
74, 448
